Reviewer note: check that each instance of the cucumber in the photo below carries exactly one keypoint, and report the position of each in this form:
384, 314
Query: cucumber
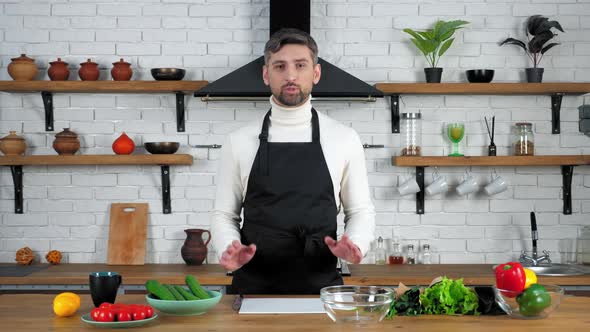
195, 287
186, 294
159, 291
174, 292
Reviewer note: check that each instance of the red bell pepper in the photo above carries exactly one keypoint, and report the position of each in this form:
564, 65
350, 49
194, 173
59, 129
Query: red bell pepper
511, 278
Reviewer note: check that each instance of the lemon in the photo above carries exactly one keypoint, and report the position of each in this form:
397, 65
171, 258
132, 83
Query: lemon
64, 307
74, 297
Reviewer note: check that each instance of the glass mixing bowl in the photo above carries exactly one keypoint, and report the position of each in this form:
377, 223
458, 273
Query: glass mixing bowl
356, 304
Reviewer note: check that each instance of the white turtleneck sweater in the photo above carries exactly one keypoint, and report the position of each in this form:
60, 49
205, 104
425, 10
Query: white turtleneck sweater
344, 156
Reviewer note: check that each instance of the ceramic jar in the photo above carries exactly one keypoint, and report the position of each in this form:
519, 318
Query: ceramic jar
194, 250
121, 71
22, 68
58, 71
89, 71
123, 145
13, 145
66, 142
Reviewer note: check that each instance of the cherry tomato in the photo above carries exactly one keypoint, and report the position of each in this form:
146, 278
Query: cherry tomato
149, 311
118, 307
139, 314
124, 316
94, 313
105, 305
106, 315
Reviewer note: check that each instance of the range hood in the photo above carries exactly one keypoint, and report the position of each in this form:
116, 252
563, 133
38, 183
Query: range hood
245, 83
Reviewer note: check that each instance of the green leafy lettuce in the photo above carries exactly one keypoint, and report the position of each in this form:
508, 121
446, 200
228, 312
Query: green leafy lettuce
449, 297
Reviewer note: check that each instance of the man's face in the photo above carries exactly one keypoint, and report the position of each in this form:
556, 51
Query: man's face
291, 74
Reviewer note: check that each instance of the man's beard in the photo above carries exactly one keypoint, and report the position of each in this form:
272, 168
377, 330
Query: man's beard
292, 100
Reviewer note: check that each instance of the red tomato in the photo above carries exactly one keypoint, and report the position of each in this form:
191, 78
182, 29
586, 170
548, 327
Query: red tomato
124, 316
139, 314
105, 305
94, 313
118, 307
149, 311
106, 315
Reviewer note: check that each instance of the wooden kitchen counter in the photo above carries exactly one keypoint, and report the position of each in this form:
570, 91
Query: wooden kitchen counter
33, 313
213, 274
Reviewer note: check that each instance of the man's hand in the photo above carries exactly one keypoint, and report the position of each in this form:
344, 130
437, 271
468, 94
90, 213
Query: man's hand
236, 255
344, 249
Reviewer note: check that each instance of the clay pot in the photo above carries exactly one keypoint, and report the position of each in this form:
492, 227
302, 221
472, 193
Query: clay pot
66, 142
194, 250
22, 68
121, 71
58, 71
89, 71
13, 145
123, 145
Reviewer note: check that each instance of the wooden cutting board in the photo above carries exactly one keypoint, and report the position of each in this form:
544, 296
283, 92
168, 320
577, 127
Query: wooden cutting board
127, 234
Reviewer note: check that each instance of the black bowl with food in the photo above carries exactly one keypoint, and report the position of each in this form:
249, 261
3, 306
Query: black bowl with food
161, 147
168, 74
480, 75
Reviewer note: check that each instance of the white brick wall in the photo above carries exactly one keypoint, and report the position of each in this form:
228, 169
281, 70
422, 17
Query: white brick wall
67, 207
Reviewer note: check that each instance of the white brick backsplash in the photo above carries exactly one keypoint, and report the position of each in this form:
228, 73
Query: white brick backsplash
526, 9
99, 180
574, 9
118, 192
46, 22
488, 10
348, 10
168, 219
138, 49
69, 193
461, 258
47, 232
71, 219
73, 35
489, 245
441, 10
35, 205
73, 10
118, 10
138, 22
29, 36
394, 9
184, 22
27, 9
90, 232
95, 22
165, 10
442, 219
40, 246
157, 35
229, 48
92, 48
222, 10
191, 50
25, 220
73, 245
118, 36
416, 232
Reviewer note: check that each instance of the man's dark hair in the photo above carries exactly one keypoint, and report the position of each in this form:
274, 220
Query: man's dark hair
290, 36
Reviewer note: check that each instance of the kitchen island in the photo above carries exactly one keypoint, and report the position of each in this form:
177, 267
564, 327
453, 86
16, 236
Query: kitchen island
32, 312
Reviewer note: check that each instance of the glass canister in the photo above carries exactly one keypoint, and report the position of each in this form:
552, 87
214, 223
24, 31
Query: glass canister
524, 139
411, 127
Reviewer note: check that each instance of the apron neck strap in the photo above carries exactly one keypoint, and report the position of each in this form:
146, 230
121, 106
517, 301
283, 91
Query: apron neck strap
315, 127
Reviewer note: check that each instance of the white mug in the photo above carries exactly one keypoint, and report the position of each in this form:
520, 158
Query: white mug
410, 186
438, 185
468, 186
497, 186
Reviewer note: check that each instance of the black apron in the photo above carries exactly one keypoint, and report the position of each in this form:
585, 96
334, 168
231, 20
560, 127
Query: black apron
288, 210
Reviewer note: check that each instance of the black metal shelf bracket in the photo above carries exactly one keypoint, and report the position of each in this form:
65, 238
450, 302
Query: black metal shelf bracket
420, 194
48, 104
567, 173
17, 179
555, 112
180, 112
395, 114
167, 207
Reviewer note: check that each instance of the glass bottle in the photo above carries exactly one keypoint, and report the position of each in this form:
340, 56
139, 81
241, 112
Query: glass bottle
411, 128
523, 139
411, 255
396, 256
380, 252
426, 259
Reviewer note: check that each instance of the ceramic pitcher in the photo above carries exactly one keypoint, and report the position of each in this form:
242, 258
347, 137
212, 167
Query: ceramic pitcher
194, 250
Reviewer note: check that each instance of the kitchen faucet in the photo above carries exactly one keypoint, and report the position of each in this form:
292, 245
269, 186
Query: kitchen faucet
534, 260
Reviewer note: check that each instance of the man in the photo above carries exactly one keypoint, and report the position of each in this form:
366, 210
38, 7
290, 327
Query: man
290, 178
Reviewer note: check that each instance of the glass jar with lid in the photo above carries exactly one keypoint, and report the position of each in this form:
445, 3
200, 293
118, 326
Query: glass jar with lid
411, 128
523, 139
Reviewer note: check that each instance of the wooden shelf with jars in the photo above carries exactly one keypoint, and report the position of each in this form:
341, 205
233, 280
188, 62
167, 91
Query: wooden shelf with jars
47, 88
556, 90
164, 160
567, 163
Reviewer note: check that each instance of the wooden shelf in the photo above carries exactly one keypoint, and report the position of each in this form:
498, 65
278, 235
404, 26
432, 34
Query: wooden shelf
102, 86
492, 161
98, 159
48, 88
485, 88
16, 164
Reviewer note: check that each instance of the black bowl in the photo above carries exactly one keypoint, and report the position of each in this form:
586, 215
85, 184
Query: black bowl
168, 74
161, 147
480, 75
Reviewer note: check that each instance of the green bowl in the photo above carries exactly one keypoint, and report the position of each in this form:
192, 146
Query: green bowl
185, 308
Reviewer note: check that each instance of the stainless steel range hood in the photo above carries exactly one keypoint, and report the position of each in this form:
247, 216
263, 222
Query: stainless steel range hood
245, 83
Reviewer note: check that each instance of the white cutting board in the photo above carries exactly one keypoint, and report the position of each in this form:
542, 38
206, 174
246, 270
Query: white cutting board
282, 306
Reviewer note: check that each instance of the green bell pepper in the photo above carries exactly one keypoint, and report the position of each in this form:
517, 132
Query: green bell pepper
533, 300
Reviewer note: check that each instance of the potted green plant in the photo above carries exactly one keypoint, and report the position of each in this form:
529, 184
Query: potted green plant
538, 33
433, 43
